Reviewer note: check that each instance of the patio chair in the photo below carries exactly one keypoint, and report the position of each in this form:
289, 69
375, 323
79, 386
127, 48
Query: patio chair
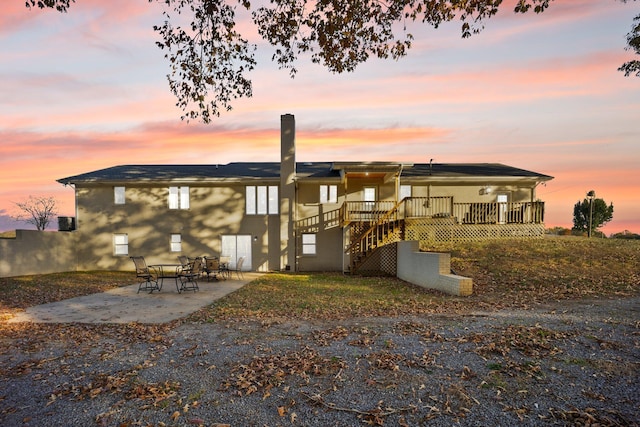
189, 277
238, 268
184, 260
211, 267
147, 277
223, 268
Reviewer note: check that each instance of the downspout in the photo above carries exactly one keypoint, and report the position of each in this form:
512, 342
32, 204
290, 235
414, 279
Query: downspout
295, 224
398, 192
398, 183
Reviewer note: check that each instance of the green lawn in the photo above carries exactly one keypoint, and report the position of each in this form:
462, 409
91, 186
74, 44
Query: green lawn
505, 273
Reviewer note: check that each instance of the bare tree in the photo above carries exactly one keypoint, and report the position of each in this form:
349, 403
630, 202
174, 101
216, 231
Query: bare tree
37, 210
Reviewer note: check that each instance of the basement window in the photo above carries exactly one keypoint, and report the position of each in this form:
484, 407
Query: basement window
120, 244
176, 243
308, 244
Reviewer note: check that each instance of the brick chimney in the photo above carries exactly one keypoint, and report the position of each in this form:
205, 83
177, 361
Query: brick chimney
287, 191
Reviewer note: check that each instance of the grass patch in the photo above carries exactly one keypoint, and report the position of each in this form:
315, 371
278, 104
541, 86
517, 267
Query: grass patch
506, 273
554, 268
322, 296
516, 273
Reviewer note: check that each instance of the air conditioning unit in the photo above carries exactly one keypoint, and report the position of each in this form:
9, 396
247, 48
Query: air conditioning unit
66, 223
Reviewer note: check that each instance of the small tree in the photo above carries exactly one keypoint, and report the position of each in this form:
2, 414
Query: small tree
38, 211
597, 215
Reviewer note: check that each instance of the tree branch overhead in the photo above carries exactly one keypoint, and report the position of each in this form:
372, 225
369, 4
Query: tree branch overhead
209, 60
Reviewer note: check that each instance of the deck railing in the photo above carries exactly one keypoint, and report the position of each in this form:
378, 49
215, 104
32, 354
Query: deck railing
445, 207
366, 211
424, 207
382, 222
499, 213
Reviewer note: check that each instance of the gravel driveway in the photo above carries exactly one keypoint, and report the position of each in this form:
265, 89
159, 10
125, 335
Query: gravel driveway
570, 363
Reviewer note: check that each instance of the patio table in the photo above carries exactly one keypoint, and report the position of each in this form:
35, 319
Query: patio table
167, 271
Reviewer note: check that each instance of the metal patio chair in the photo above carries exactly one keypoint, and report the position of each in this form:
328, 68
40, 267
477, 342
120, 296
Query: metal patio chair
189, 277
211, 267
146, 276
238, 269
223, 268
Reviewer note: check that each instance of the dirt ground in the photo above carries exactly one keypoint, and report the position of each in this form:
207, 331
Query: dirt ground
566, 363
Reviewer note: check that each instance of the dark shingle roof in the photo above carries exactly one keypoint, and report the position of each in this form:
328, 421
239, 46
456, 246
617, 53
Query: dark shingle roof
271, 170
470, 170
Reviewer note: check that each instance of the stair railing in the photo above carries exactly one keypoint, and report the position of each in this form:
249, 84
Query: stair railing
377, 235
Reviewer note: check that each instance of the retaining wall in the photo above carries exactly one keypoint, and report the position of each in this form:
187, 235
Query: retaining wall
36, 252
430, 270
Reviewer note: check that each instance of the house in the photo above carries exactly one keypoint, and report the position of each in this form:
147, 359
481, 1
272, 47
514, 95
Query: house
288, 215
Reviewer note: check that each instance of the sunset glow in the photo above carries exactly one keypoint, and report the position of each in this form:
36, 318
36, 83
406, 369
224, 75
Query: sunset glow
87, 90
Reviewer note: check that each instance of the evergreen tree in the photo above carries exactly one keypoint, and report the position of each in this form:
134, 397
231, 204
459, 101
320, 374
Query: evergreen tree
599, 214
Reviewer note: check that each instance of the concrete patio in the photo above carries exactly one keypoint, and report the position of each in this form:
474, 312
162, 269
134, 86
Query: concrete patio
125, 305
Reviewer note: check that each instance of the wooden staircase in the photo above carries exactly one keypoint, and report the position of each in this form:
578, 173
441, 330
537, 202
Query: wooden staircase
388, 228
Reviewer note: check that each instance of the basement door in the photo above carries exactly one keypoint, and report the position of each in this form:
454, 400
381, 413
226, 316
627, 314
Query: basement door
235, 246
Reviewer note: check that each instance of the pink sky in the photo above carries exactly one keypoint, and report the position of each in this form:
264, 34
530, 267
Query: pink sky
87, 90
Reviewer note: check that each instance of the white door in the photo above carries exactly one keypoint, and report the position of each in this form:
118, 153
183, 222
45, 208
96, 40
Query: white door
502, 208
235, 246
369, 196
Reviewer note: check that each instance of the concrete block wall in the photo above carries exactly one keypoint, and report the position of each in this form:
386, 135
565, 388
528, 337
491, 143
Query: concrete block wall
430, 270
36, 252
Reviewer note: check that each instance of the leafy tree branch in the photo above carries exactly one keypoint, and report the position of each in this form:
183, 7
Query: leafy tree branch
209, 59
633, 43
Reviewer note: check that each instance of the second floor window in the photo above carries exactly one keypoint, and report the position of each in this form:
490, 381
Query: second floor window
328, 194
178, 197
262, 200
118, 195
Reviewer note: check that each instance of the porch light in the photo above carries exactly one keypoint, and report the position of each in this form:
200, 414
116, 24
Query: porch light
485, 190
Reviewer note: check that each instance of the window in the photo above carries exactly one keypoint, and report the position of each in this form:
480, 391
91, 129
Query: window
308, 244
328, 194
178, 197
273, 200
176, 243
262, 200
405, 191
118, 195
120, 244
